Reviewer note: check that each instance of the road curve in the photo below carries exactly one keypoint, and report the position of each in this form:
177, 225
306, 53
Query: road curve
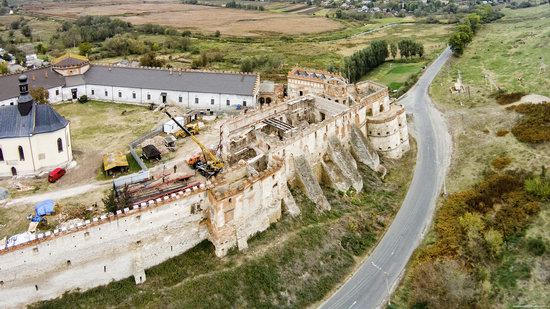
379, 274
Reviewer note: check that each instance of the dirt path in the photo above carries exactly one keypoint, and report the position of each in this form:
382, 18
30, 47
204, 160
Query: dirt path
60, 194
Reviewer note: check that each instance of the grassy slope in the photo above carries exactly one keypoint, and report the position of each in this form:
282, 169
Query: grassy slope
508, 49
293, 264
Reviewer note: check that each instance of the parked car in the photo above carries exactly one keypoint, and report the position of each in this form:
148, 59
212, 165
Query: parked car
56, 174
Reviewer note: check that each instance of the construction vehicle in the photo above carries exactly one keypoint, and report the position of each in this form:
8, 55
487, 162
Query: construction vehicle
209, 165
191, 127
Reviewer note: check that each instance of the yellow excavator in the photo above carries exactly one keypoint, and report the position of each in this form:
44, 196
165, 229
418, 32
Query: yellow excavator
211, 165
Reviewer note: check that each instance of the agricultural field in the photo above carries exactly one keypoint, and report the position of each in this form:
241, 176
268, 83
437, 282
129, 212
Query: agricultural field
191, 17
496, 182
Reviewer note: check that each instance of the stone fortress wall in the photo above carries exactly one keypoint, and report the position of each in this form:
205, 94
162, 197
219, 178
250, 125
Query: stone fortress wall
302, 142
117, 246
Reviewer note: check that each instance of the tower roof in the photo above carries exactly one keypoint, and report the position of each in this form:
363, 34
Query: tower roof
70, 60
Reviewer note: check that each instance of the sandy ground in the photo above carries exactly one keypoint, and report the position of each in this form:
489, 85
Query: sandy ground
201, 18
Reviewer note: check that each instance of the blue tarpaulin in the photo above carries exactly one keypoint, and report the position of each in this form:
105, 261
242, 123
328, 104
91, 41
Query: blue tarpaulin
44, 208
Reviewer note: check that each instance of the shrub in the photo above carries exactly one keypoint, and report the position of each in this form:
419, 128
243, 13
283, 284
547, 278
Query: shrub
501, 162
536, 246
502, 132
83, 99
534, 127
538, 186
507, 98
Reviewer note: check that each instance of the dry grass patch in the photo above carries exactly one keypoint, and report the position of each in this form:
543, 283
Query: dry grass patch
194, 17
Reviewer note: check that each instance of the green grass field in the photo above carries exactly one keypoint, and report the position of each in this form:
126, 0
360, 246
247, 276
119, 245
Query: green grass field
395, 74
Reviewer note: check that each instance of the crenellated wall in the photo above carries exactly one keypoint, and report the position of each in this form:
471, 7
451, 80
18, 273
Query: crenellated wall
229, 209
117, 246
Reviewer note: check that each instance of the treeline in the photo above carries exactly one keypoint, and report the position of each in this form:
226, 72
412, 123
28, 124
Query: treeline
407, 48
4, 8
365, 60
480, 250
265, 63
354, 15
88, 29
127, 44
465, 31
252, 7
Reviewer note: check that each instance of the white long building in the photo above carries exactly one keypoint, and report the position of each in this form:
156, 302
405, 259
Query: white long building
71, 76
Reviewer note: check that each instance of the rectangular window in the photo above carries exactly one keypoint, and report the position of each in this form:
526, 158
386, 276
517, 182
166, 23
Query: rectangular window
196, 100
133, 95
244, 103
106, 93
120, 94
212, 101
227, 102
56, 92
93, 92
148, 96
181, 99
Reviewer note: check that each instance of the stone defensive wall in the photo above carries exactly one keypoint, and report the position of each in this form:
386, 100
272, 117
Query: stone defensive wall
227, 210
117, 246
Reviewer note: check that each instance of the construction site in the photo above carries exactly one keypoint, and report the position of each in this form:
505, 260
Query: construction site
317, 135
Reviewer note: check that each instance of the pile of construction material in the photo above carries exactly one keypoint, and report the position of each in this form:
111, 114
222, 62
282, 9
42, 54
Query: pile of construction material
158, 142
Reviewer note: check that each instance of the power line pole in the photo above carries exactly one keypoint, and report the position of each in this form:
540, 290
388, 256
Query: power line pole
387, 284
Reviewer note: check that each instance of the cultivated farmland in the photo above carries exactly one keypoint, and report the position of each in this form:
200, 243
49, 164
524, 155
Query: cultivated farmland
193, 17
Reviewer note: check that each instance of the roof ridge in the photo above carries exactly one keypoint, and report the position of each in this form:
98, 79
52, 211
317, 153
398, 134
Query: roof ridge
175, 69
26, 71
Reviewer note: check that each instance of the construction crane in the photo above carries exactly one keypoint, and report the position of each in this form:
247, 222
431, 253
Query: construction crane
213, 164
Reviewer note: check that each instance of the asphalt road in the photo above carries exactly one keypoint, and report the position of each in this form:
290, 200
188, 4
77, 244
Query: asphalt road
373, 282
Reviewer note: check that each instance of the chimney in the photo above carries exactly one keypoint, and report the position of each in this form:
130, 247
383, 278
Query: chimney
25, 101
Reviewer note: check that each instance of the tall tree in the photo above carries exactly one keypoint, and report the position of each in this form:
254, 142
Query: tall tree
393, 49
40, 95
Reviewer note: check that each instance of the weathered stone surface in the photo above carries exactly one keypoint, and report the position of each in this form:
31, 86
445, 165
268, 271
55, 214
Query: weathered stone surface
334, 177
362, 150
345, 163
307, 180
289, 203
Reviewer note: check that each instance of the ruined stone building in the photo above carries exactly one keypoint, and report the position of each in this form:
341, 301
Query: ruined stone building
314, 137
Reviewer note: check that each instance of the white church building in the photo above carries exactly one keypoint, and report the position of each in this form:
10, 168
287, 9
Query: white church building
34, 138
71, 76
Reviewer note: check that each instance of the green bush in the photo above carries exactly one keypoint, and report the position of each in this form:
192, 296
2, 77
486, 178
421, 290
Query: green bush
83, 99
536, 246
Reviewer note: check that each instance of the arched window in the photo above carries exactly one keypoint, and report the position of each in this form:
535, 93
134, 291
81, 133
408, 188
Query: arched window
59, 145
1, 155
21, 154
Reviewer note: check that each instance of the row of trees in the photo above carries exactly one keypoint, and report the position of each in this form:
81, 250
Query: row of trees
235, 5
407, 48
365, 60
465, 31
